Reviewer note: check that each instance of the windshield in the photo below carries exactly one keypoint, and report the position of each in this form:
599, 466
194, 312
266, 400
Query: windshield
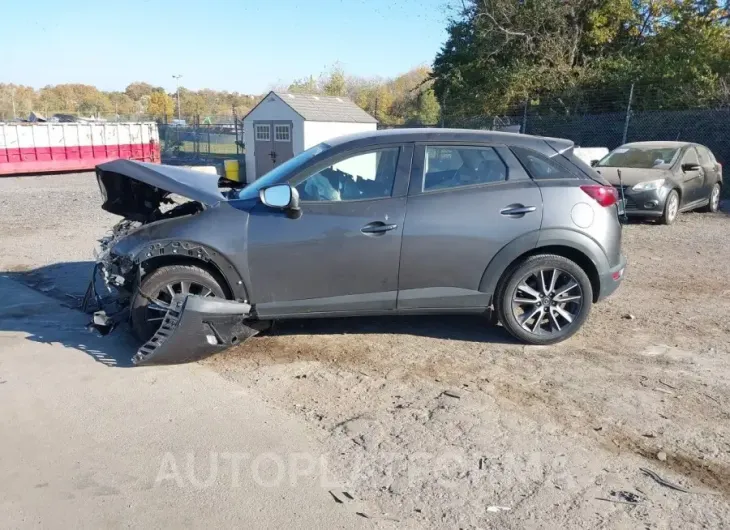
640, 157
275, 175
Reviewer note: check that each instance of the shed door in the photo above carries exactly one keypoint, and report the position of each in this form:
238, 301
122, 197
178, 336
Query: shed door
272, 144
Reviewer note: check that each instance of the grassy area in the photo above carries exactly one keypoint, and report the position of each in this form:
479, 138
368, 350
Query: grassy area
216, 149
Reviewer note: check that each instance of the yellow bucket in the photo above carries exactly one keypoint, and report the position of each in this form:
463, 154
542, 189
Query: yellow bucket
231, 170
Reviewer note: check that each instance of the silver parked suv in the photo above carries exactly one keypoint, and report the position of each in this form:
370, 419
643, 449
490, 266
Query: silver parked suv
387, 222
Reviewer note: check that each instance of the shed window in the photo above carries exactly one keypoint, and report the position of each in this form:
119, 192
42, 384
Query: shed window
263, 133
282, 133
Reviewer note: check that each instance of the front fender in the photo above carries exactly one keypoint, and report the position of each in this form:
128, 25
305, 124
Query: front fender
183, 237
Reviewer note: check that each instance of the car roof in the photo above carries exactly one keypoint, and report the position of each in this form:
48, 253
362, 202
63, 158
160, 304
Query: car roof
432, 134
659, 144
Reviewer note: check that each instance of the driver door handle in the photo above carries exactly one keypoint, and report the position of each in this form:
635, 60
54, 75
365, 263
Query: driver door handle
377, 227
514, 210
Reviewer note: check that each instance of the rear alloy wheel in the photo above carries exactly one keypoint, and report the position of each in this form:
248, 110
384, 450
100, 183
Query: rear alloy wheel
671, 208
157, 290
714, 205
544, 300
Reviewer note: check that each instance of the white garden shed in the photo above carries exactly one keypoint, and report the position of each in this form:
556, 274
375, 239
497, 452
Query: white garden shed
283, 125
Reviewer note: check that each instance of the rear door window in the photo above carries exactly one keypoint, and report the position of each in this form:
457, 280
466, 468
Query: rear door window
458, 166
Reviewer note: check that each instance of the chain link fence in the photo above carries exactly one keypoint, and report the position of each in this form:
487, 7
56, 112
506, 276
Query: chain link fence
193, 142
602, 118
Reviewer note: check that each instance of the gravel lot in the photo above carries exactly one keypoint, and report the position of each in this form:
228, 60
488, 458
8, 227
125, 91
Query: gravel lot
448, 422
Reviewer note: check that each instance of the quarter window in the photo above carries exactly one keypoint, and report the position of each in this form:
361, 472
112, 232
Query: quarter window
369, 175
690, 157
282, 133
263, 133
539, 166
705, 157
459, 166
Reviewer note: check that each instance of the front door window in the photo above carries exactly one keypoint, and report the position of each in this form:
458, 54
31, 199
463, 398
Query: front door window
367, 175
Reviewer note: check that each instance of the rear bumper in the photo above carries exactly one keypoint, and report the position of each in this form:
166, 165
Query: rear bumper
611, 279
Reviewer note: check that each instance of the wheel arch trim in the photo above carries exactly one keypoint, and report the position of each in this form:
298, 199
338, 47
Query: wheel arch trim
168, 252
549, 240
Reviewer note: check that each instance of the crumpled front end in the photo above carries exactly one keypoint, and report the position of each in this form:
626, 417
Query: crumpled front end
119, 277
195, 327
147, 238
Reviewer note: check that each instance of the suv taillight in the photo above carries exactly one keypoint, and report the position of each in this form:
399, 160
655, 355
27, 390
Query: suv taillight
603, 195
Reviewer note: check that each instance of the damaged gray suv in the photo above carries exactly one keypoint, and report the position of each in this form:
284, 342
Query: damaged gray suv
390, 222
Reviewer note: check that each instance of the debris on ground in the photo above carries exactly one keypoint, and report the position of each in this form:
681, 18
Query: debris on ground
662, 481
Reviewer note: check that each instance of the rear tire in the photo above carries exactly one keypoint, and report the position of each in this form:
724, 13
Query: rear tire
714, 205
561, 306
146, 315
671, 208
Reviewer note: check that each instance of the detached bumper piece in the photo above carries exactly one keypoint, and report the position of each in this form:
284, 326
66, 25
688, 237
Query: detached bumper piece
195, 327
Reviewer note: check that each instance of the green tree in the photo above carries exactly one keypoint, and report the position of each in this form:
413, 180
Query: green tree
16, 101
499, 52
160, 105
138, 89
335, 83
307, 85
193, 104
122, 103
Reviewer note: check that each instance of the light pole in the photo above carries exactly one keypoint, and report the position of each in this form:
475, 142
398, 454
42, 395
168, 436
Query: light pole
177, 79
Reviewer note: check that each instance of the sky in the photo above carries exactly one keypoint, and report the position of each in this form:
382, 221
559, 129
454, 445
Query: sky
236, 45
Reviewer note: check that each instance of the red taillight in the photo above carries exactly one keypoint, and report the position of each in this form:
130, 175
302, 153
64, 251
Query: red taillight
604, 195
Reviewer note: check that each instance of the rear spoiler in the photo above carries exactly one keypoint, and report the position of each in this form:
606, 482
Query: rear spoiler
565, 148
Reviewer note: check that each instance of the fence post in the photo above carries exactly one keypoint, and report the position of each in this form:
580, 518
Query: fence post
442, 108
628, 115
524, 115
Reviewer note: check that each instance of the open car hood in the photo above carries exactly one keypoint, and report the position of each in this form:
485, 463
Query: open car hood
135, 190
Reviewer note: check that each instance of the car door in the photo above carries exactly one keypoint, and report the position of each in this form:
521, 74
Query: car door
711, 171
692, 180
342, 253
465, 203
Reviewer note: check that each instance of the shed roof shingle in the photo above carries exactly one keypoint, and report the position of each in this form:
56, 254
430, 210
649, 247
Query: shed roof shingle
326, 108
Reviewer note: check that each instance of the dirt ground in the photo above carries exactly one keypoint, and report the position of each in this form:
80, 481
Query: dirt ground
447, 422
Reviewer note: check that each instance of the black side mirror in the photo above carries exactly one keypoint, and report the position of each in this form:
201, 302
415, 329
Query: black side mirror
594, 163
690, 167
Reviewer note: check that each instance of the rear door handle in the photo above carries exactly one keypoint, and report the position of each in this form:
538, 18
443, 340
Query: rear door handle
377, 227
517, 210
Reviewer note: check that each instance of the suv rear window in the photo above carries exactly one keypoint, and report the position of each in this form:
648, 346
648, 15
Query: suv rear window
541, 167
